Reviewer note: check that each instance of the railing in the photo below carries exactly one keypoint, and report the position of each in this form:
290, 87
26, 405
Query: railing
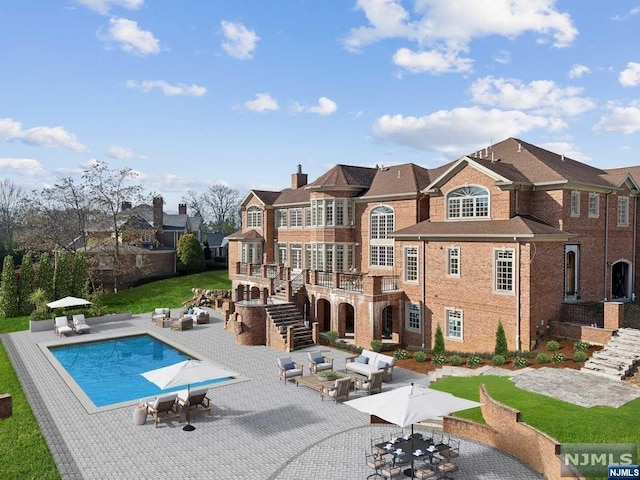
297, 283
255, 270
324, 279
389, 283
273, 271
242, 268
351, 282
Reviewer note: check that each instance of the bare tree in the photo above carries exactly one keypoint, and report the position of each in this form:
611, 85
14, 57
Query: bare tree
224, 203
197, 203
11, 212
108, 190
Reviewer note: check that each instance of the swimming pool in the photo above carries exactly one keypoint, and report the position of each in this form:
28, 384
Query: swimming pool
109, 371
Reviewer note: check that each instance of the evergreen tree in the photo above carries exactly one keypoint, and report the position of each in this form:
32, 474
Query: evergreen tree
80, 276
9, 298
62, 277
438, 342
45, 276
26, 285
206, 250
501, 341
190, 253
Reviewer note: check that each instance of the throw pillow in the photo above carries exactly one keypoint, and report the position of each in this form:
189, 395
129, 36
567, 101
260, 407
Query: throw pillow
381, 364
289, 366
363, 359
319, 359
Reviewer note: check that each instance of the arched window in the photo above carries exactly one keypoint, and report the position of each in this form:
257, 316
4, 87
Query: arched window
468, 202
381, 244
382, 222
254, 217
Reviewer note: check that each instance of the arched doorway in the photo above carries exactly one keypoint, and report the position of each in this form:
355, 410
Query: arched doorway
255, 293
620, 280
346, 316
387, 322
571, 271
240, 293
323, 309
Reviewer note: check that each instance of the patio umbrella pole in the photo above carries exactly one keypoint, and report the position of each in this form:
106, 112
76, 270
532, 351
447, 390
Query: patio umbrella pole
188, 427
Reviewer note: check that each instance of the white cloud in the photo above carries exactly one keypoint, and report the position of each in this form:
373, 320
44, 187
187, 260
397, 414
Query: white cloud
633, 11
450, 27
167, 89
620, 118
460, 130
433, 61
123, 153
240, 41
325, 107
503, 57
263, 102
23, 166
103, 6
41, 136
540, 96
130, 37
566, 149
577, 71
630, 76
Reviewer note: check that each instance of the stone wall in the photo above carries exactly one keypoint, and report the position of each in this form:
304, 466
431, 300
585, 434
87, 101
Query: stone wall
505, 431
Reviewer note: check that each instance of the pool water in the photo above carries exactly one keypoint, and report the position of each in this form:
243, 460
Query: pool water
109, 371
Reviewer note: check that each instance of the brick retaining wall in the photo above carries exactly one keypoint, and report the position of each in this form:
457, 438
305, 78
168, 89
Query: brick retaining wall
575, 331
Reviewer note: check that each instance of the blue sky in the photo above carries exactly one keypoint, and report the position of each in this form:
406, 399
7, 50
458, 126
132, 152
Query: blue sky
196, 93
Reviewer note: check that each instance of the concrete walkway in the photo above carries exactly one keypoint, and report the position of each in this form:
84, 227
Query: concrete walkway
260, 428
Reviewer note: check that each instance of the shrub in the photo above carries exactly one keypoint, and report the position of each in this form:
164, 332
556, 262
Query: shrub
332, 336
439, 360
63, 276
420, 356
328, 375
553, 346
376, 345
9, 294
498, 360
26, 285
501, 341
579, 356
438, 342
401, 354
45, 276
558, 357
455, 360
521, 362
542, 358
474, 361
581, 345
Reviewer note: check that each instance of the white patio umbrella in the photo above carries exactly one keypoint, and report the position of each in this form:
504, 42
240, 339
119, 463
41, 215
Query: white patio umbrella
407, 405
186, 373
68, 302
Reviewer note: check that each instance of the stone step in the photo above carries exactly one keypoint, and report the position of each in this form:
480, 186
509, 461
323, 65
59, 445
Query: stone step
601, 373
607, 362
621, 348
621, 357
634, 332
604, 369
626, 342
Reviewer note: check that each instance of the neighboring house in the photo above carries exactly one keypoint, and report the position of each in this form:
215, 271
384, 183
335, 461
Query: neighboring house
217, 245
508, 234
148, 242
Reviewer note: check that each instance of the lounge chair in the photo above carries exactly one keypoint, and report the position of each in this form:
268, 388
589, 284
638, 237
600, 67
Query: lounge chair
195, 401
287, 368
80, 324
318, 363
164, 408
61, 326
161, 317
338, 391
371, 384
184, 323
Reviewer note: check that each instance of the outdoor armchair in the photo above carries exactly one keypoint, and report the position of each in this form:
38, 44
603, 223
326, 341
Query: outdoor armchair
371, 384
319, 363
338, 391
287, 368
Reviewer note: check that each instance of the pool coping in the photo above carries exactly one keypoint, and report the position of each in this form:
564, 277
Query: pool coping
84, 399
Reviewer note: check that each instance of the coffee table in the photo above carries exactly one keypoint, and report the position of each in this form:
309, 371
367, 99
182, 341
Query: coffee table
314, 383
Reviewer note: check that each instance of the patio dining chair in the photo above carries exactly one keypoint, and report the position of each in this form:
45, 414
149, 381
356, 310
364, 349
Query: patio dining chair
391, 470
375, 462
447, 467
453, 451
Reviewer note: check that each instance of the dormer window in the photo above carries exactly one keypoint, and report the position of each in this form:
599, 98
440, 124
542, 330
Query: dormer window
254, 217
468, 202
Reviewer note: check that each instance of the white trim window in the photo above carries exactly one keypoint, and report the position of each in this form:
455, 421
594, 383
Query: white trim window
307, 217
468, 202
594, 205
411, 264
414, 316
575, 203
453, 262
623, 211
254, 217
382, 223
251, 252
281, 218
295, 217
454, 323
282, 254
503, 270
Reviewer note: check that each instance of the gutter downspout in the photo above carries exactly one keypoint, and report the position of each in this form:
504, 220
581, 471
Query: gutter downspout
424, 291
606, 246
517, 285
633, 256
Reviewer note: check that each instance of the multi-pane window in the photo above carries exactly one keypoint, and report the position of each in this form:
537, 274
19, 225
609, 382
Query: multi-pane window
504, 270
281, 218
307, 216
413, 316
468, 202
381, 256
382, 222
330, 213
575, 203
282, 253
307, 256
453, 322
453, 261
381, 244
349, 213
295, 217
296, 256
254, 217
340, 212
251, 252
623, 211
411, 264
594, 205
340, 258
329, 257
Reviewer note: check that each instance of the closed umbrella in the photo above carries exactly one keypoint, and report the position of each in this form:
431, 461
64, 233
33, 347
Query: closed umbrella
187, 373
407, 405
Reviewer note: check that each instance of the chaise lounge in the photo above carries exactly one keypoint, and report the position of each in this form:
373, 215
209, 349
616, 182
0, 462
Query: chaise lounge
80, 324
164, 408
61, 326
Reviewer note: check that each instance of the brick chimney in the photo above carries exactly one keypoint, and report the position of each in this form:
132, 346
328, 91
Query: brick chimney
298, 179
158, 214
182, 208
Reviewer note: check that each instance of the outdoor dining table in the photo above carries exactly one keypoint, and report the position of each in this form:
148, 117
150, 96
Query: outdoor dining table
405, 449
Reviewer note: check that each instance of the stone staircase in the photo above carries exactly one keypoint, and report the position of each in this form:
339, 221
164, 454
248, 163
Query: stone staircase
285, 314
280, 288
619, 357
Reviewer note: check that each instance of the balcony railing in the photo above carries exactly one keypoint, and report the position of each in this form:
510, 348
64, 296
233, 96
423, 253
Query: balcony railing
324, 279
350, 281
389, 283
256, 270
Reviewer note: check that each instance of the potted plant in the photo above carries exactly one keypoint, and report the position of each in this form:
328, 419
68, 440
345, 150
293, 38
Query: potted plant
327, 375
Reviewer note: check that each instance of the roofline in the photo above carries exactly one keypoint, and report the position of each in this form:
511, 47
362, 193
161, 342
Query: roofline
390, 196
454, 169
544, 237
339, 188
293, 204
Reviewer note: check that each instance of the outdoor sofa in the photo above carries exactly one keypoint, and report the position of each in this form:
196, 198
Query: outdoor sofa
368, 362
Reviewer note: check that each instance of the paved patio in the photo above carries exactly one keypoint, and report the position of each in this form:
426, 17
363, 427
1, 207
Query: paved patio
259, 429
